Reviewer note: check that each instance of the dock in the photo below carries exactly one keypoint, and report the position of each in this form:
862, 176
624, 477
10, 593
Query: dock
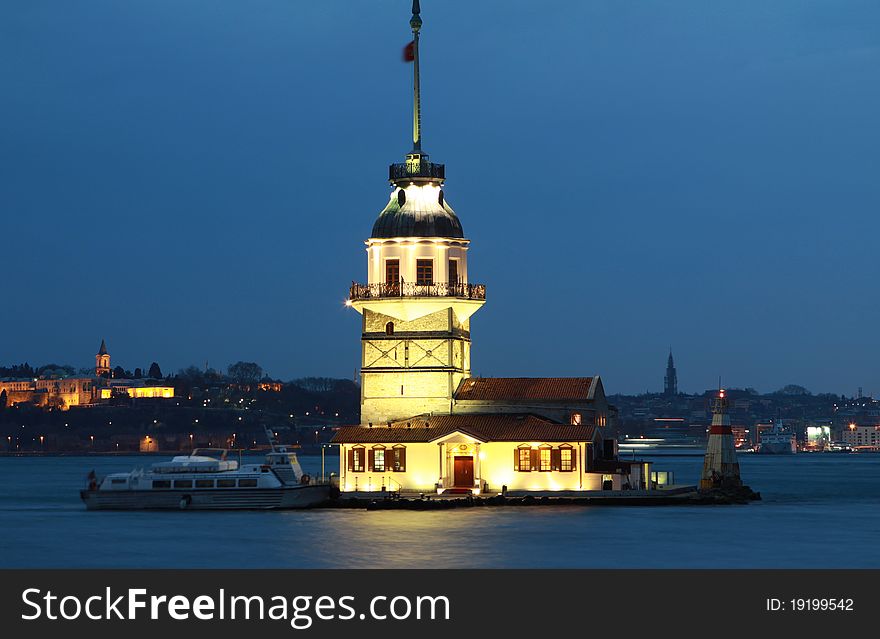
671, 496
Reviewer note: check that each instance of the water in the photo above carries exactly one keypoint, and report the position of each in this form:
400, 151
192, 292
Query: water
818, 511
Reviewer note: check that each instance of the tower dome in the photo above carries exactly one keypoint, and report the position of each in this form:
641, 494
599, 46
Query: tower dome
417, 210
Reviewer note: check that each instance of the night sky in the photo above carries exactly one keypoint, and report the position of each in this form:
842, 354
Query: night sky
194, 179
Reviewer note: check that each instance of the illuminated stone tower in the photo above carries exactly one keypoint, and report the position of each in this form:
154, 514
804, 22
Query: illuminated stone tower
418, 299
720, 466
670, 382
102, 361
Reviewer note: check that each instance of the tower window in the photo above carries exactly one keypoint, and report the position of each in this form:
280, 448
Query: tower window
453, 271
389, 330
425, 272
392, 272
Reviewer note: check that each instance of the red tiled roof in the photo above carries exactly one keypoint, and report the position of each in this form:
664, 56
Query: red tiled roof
508, 427
525, 388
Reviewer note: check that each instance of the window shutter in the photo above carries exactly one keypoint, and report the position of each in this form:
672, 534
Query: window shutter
574, 457
351, 459
555, 459
536, 459
372, 461
402, 459
516, 459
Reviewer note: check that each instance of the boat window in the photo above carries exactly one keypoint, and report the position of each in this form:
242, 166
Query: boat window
204, 483
161, 483
183, 483
225, 483
247, 483
117, 481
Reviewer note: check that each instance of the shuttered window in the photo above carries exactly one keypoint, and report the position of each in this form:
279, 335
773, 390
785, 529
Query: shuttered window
555, 459
566, 460
523, 459
544, 459
397, 463
356, 460
377, 460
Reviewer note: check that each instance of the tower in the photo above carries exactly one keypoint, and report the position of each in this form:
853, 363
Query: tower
720, 467
670, 382
102, 361
418, 299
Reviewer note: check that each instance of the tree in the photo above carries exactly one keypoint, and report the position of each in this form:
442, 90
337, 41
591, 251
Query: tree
155, 372
792, 389
245, 372
3, 399
138, 373
119, 372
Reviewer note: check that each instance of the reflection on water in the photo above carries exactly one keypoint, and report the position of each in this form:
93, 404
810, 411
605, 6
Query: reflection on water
811, 504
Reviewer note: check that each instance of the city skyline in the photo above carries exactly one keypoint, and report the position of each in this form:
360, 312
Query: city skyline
188, 207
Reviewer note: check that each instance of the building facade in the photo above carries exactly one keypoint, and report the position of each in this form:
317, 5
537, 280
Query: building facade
65, 392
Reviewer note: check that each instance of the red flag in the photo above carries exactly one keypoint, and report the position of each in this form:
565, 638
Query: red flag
409, 52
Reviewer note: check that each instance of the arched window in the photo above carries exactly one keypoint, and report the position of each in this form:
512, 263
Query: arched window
389, 328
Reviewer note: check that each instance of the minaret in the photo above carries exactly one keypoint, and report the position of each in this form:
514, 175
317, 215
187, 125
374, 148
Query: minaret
720, 467
418, 299
102, 361
670, 382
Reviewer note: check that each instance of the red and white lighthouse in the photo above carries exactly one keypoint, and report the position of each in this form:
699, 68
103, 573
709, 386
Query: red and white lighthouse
720, 467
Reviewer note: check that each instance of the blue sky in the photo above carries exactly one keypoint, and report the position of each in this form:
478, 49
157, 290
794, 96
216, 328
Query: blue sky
193, 180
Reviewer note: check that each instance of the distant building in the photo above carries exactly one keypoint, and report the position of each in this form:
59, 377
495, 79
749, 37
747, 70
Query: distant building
65, 392
102, 362
861, 435
670, 382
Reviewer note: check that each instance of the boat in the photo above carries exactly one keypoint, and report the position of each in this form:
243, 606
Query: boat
207, 479
776, 441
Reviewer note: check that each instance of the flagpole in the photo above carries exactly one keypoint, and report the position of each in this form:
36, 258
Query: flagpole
416, 24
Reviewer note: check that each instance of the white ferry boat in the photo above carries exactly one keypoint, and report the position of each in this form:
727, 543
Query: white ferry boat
207, 479
776, 441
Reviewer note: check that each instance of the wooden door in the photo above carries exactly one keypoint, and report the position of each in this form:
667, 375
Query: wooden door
463, 472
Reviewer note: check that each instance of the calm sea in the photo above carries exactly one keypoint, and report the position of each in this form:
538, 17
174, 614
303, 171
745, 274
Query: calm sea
818, 511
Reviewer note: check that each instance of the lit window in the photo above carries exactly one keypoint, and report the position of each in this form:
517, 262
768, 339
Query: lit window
398, 460
379, 460
545, 459
356, 460
576, 419
565, 459
525, 460
425, 272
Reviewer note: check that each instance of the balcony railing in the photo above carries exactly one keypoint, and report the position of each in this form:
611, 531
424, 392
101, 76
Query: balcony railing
424, 169
441, 289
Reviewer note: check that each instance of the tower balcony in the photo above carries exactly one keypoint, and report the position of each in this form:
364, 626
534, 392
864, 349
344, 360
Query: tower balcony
366, 292
416, 169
